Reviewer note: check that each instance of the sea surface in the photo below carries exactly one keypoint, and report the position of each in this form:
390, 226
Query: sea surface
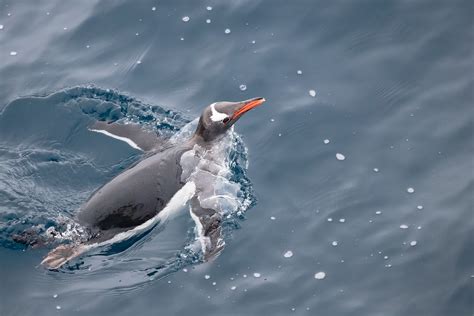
349, 192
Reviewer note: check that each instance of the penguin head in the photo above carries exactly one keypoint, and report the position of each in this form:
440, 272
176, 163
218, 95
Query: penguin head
218, 117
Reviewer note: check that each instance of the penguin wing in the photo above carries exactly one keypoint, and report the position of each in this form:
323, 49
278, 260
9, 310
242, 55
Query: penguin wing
133, 134
208, 229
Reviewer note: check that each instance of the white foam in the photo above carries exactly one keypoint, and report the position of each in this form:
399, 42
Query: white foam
123, 139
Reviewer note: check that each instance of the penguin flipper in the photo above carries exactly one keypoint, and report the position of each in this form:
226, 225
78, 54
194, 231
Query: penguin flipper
133, 134
208, 229
60, 255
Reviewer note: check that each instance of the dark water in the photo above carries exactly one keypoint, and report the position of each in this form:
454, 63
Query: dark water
393, 94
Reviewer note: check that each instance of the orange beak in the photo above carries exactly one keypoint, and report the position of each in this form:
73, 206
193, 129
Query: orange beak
247, 106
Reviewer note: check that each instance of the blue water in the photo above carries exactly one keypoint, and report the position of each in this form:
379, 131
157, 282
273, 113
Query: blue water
391, 225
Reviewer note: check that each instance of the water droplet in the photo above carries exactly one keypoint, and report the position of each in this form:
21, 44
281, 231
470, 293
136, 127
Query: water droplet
13, 53
320, 275
312, 93
242, 87
257, 275
413, 243
410, 190
227, 31
185, 18
340, 156
288, 254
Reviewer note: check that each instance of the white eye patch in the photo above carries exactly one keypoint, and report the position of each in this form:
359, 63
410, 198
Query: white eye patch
217, 116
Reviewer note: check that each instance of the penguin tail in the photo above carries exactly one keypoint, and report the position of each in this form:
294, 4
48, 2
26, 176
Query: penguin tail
60, 255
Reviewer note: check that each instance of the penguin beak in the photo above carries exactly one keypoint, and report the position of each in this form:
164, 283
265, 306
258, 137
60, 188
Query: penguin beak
246, 106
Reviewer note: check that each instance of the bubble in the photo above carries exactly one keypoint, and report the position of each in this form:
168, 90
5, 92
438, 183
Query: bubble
153, 8
253, 42
58, 307
208, 21
257, 275
410, 190
13, 53
378, 212
376, 169
55, 295
227, 31
209, 8
326, 141
312, 93
342, 220
288, 254
413, 243
272, 218
242, 87
420, 207
403, 226
207, 277
340, 156
334, 243
319, 275
185, 18
1, 26
139, 62
299, 72
329, 219
233, 288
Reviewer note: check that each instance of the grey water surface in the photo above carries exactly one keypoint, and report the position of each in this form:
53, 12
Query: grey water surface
360, 163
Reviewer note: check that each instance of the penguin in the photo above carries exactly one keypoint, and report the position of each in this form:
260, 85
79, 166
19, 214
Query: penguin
136, 198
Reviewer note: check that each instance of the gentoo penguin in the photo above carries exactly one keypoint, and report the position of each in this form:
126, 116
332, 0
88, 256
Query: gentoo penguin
140, 193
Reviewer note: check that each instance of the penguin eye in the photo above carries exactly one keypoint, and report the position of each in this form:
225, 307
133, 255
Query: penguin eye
225, 120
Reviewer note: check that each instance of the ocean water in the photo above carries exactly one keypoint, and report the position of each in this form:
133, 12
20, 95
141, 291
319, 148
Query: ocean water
351, 188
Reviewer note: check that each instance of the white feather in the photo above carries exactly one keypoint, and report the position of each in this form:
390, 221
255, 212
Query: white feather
217, 116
